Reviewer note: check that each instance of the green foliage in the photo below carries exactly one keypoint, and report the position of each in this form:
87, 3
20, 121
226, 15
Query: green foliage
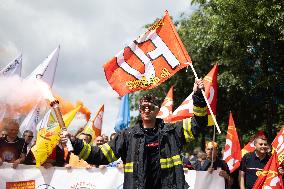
246, 39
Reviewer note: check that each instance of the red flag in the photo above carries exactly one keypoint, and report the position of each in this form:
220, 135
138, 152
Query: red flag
269, 177
278, 145
149, 60
185, 110
249, 147
232, 151
98, 122
166, 109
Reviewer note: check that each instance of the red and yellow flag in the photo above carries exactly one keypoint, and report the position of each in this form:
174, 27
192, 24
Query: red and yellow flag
185, 110
166, 109
278, 145
149, 60
232, 151
269, 177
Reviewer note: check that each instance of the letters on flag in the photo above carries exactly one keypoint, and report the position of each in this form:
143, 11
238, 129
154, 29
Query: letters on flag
149, 60
278, 145
185, 110
232, 151
13, 68
166, 109
269, 177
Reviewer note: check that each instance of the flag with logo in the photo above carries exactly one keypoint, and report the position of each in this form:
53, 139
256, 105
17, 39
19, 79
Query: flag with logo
46, 72
149, 60
269, 177
123, 118
185, 110
232, 151
48, 134
249, 147
13, 68
166, 109
278, 145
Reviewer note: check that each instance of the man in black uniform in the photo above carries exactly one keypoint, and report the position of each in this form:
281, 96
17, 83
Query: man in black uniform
253, 162
151, 150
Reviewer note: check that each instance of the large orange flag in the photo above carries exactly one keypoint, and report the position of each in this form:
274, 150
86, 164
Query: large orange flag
232, 152
166, 109
149, 60
269, 177
185, 110
249, 147
278, 145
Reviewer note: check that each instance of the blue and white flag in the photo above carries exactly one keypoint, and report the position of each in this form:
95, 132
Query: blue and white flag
123, 118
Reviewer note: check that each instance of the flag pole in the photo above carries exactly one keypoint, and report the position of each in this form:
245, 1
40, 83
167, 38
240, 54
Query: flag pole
207, 103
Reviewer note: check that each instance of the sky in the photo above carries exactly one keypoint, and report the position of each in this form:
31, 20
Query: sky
89, 32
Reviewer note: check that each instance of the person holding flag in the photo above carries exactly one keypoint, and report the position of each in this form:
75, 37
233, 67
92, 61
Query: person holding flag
150, 151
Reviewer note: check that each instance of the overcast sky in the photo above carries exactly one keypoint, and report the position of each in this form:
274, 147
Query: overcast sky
90, 32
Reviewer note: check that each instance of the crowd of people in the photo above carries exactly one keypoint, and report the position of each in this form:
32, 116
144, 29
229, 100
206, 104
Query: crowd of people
151, 153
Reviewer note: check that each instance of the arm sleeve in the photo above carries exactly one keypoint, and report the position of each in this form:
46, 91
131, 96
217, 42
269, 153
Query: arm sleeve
101, 155
191, 127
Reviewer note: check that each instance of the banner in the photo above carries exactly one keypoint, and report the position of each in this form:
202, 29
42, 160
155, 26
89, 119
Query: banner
149, 60
28, 177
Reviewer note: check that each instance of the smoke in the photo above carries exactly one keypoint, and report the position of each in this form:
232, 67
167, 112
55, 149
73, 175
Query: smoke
18, 96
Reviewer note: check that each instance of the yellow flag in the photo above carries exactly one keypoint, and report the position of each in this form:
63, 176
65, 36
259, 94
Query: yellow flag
48, 137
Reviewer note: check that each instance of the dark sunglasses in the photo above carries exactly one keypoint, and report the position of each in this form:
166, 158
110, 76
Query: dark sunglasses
149, 107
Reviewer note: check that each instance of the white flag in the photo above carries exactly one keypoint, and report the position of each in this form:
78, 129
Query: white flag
46, 72
13, 68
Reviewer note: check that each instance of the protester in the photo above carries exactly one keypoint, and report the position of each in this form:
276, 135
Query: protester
85, 137
105, 137
201, 163
211, 149
99, 141
150, 151
253, 162
28, 137
112, 136
12, 148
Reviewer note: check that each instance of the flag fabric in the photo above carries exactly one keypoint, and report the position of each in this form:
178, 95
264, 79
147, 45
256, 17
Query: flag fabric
123, 118
185, 110
278, 145
232, 151
249, 147
95, 128
13, 68
48, 134
269, 177
46, 72
166, 109
149, 60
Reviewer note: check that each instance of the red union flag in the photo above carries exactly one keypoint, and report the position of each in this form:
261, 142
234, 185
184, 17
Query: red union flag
149, 60
269, 177
278, 145
167, 106
232, 151
185, 110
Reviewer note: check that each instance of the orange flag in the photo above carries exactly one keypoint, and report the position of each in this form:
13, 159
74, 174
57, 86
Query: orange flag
185, 110
278, 145
249, 147
166, 109
98, 121
269, 177
232, 151
149, 60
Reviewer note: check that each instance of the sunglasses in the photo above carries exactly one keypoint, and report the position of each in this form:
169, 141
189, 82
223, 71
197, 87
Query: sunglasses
149, 107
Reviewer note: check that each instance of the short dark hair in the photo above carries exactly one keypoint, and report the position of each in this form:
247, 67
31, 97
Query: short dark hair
149, 98
88, 135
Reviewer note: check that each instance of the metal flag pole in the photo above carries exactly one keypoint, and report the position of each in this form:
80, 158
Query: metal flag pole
207, 103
